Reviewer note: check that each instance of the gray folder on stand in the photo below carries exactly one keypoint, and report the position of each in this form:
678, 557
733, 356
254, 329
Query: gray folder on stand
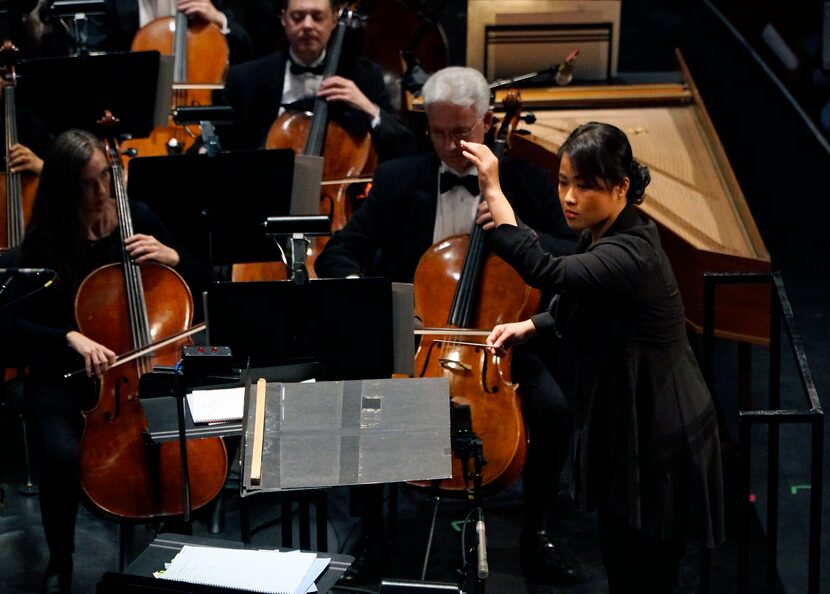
352, 432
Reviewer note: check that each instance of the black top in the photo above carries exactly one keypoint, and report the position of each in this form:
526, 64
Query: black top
647, 442
34, 330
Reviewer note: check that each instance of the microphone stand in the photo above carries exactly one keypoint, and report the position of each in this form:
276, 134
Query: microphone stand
475, 572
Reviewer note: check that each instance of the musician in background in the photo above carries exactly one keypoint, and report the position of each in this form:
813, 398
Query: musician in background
420, 200
260, 90
647, 453
73, 230
114, 31
34, 142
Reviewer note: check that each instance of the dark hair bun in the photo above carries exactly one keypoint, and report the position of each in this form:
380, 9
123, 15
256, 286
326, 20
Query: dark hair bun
639, 178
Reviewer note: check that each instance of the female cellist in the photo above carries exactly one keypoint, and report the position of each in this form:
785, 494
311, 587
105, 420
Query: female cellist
410, 208
73, 230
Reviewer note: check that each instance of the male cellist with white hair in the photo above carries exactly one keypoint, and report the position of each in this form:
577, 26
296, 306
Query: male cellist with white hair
420, 200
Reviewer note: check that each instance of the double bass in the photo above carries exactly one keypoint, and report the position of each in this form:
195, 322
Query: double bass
200, 58
19, 188
127, 306
460, 285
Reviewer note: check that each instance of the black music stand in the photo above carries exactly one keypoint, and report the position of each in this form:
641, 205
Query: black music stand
216, 206
74, 14
343, 324
85, 86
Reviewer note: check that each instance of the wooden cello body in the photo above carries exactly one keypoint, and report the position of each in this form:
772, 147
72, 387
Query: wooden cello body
346, 155
17, 192
459, 284
128, 306
477, 379
200, 57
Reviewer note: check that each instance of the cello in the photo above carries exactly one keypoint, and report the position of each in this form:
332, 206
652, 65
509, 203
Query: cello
200, 57
459, 285
20, 188
127, 306
347, 155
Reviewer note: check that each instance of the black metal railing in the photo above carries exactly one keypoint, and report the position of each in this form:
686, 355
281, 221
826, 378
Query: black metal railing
774, 417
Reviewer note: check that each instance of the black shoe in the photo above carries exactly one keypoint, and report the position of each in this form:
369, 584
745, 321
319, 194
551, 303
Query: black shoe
58, 580
368, 565
542, 561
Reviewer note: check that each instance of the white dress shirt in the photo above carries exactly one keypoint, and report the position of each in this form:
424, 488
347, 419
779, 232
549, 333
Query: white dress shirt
456, 209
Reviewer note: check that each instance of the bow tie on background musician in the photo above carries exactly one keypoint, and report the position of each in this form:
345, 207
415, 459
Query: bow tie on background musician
298, 69
449, 180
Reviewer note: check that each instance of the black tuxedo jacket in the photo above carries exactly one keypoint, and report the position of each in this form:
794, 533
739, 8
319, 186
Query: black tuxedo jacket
393, 228
254, 90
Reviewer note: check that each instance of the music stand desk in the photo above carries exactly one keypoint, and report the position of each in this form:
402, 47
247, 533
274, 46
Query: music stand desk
123, 83
162, 422
138, 576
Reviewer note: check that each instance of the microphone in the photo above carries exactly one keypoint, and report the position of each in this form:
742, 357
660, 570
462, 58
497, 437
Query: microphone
26, 271
483, 568
565, 71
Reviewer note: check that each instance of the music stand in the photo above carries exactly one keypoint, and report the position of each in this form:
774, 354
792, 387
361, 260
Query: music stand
85, 86
343, 324
326, 434
216, 206
77, 11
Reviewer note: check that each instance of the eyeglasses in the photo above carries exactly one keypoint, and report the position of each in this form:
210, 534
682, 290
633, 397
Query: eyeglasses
453, 136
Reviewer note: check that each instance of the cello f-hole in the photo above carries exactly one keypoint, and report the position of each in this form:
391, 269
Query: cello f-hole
484, 365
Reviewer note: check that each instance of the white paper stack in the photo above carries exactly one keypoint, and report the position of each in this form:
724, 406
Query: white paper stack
268, 571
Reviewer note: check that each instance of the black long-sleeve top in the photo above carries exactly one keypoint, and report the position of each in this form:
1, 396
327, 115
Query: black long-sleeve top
33, 330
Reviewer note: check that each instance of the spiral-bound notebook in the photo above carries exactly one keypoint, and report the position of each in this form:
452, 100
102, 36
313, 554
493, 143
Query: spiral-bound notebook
221, 405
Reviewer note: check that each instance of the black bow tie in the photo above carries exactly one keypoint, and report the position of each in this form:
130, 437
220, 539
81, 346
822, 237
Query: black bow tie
449, 180
297, 69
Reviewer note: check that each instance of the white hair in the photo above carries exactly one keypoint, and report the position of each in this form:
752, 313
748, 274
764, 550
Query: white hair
459, 86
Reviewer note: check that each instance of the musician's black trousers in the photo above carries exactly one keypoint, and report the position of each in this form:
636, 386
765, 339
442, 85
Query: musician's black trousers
55, 406
548, 422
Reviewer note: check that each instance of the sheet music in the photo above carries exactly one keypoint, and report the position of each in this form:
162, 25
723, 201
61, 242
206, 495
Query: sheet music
266, 571
216, 406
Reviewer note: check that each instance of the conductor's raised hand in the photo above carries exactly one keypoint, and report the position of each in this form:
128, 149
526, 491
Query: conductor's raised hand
488, 181
505, 336
97, 357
